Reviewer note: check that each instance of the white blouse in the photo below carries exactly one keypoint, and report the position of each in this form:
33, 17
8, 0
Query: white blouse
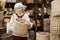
12, 20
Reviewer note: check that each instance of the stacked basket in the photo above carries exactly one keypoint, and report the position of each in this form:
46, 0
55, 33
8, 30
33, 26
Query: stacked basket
1, 18
55, 20
42, 36
47, 24
55, 8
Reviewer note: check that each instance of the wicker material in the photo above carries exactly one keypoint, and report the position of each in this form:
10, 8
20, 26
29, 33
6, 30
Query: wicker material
42, 36
54, 37
31, 35
55, 25
30, 1
20, 29
47, 24
54, 3
6, 20
1, 15
55, 8
6, 37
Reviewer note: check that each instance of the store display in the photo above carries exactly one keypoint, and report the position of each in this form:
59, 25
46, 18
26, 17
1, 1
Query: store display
37, 11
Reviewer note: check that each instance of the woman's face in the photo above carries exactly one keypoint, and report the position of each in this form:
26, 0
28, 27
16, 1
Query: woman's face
19, 10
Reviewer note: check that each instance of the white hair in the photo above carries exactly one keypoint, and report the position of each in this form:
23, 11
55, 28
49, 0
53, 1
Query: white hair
19, 5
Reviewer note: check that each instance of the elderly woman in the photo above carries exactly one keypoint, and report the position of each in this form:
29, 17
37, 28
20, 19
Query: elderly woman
20, 14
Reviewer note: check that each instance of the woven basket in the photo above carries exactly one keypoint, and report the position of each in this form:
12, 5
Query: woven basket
1, 15
55, 8
42, 36
6, 20
55, 2
55, 25
54, 37
6, 37
30, 1
47, 24
55, 14
20, 29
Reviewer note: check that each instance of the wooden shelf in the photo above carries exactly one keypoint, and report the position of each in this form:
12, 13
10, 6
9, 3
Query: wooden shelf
7, 17
2, 28
9, 5
45, 16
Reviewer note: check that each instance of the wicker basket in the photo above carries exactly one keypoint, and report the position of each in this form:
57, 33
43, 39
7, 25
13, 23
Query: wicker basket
20, 29
55, 8
56, 13
55, 1
55, 25
6, 37
42, 36
54, 37
1, 15
30, 1
47, 24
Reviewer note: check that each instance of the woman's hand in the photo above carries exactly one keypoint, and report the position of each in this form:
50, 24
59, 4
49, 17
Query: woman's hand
28, 24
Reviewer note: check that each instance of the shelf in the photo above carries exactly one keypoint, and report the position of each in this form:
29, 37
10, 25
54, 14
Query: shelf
2, 28
39, 17
29, 5
46, 16
7, 17
9, 5
32, 3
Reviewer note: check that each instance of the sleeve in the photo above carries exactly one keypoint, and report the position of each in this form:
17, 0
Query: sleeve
8, 28
12, 19
29, 22
9, 25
